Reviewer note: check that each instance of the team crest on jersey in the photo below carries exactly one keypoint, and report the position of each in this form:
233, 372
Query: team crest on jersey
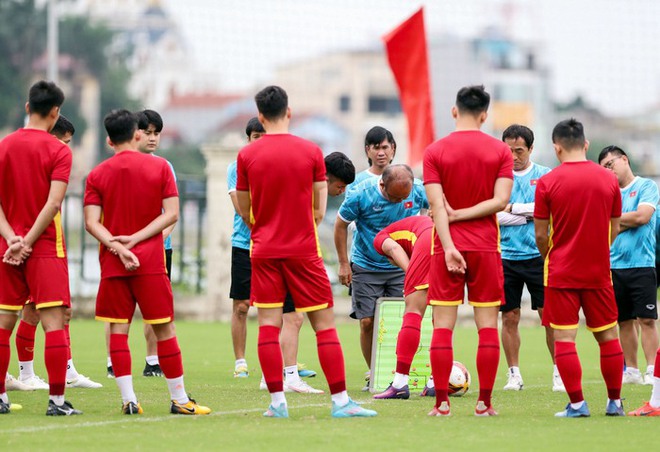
533, 182
408, 205
633, 194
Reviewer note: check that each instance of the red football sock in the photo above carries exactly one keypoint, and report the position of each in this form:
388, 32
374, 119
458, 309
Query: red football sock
25, 341
408, 342
656, 369
68, 341
611, 366
331, 358
270, 357
55, 358
169, 358
120, 355
570, 369
488, 358
5, 354
442, 359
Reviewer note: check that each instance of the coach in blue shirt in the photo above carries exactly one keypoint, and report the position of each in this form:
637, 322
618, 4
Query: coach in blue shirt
373, 205
522, 262
632, 258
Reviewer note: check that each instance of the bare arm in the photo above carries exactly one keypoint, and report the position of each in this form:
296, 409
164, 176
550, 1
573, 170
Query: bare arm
541, 232
168, 217
453, 259
638, 218
48, 212
341, 237
16, 252
320, 200
94, 226
6, 230
394, 251
244, 204
500, 199
614, 228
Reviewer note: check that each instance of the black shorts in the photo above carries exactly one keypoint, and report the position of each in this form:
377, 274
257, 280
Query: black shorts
241, 275
168, 263
517, 274
636, 293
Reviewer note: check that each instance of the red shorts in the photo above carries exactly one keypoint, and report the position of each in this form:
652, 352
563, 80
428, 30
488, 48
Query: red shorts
417, 276
304, 278
484, 277
44, 280
116, 299
562, 307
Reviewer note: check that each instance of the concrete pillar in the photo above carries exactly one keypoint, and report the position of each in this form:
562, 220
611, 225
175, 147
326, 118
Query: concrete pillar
218, 156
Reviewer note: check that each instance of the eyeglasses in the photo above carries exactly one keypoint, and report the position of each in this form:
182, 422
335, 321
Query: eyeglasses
610, 164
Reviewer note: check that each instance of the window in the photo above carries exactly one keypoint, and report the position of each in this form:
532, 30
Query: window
384, 104
345, 103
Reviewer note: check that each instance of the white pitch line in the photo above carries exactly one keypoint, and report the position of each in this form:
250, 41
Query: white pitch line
132, 419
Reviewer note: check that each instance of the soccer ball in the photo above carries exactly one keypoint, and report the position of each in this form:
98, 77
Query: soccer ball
459, 380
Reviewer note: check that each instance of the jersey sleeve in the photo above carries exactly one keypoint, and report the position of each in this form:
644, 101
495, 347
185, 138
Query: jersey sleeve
242, 182
506, 166
541, 201
231, 177
350, 208
616, 205
431, 173
319, 166
92, 194
62, 167
172, 169
648, 194
169, 183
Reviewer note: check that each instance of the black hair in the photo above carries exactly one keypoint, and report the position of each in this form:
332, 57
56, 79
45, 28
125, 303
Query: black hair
62, 127
254, 125
472, 99
612, 149
147, 117
518, 131
569, 134
340, 167
120, 126
272, 102
43, 96
377, 135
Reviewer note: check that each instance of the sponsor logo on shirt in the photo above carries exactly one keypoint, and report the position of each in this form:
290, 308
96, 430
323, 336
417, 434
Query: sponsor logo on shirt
408, 205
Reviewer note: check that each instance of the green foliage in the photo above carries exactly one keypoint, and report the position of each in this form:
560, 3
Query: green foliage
22, 40
186, 159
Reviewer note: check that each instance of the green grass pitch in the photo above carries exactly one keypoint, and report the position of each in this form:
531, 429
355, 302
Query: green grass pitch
526, 419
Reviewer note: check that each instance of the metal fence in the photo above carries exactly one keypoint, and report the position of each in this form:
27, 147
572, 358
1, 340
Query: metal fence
188, 241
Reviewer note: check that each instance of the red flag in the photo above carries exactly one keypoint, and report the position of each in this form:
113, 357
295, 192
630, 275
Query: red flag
407, 54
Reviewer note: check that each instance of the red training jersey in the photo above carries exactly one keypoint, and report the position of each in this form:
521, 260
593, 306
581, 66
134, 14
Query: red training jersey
579, 199
130, 188
30, 160
279, 171
467, 164
404, 232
